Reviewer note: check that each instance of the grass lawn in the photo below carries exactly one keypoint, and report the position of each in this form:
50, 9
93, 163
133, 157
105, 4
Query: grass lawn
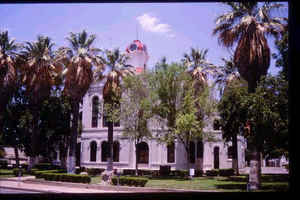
270, 183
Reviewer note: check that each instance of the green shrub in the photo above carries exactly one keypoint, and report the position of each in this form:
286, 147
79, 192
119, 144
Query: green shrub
164, 170
3, 164
226, 172
46, 166
17, 172
130, 181
6, 172
198, 172
213, 172
180, 173
75, 178
94, 171
129, 172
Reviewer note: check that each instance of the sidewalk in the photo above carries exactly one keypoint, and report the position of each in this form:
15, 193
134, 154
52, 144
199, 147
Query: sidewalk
266, 170
29, 183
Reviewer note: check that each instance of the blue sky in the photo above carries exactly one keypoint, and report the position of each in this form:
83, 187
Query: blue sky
168, 29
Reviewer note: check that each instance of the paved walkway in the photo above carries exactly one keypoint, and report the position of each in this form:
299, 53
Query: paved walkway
24, 184
266, 170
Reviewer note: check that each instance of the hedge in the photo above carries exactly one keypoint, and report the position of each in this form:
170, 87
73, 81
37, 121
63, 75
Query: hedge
6, 172
180, 173
39, 174
64, 177
46, 166
94, 171
226, 172
213, 172
17, 170
3, 164
130, 181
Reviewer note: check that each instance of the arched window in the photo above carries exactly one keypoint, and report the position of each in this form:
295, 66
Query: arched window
95, 111
200, 149
116, 151
143, 153
104, 151
192, 152
171, 153
93, 148
230, 152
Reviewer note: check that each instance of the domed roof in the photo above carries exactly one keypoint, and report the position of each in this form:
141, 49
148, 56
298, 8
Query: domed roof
137, 55
136, 45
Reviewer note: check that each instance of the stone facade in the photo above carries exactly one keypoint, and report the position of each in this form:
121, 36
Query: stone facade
93, 140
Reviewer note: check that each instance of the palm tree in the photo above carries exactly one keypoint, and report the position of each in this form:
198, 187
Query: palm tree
246, 24
78, 61
8, 74
37, 72
115, 65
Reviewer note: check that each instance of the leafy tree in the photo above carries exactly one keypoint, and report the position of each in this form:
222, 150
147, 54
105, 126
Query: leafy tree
78, 61
281, 57
136, 110
175, 105
232, 119
247, 23
114, 63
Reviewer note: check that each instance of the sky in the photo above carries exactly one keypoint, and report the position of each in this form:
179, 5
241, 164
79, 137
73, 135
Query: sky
168, 29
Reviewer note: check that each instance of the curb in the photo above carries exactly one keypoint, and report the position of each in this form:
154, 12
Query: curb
26, 189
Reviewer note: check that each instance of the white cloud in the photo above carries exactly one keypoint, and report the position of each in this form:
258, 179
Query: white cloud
152, 24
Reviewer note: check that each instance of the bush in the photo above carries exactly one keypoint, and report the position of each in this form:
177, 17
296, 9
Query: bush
17, 171
39, 174
3, 164
74, 178
213, 172
180, 173
164, 170
198, 172
46, 166
6, 172
226, 172
129, 172
94, 171
130, 181
24, 166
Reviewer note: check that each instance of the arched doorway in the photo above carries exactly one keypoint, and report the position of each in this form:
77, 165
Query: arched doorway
104, 151
216, 158
143, 153
116, 151
93, 151
78, 152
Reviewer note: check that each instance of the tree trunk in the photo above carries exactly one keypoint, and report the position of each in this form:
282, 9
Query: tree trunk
255, 161
34, 138
63, 152
188, 158
73, 140
235, 163
17, 156
110, 146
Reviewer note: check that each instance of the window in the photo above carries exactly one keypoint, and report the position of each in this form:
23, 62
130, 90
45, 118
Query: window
171, 153
230, 152
95, 111
116, 151
192, 152
143, 153
104, 151
93, 148
200, 149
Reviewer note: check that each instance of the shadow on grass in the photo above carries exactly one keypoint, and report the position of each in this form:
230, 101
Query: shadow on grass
231, 186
